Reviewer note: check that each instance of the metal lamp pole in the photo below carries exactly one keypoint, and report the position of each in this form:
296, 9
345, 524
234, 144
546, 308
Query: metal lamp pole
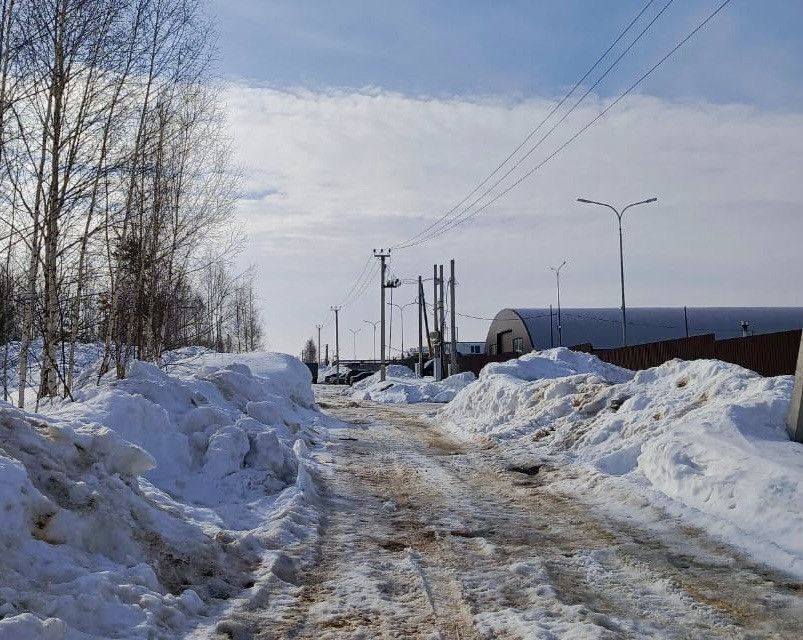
373, 324
557, 278
401, 308
621, 257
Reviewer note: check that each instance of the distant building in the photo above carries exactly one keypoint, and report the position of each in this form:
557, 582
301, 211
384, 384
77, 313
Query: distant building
467, 348
463, 348
522, 330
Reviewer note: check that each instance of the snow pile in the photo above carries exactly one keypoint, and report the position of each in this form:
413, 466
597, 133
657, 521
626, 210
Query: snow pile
706, 439
329, 370
556, 363
402, 386
529, 393
141, 509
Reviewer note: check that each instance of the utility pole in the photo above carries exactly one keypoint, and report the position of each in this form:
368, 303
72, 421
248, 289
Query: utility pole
319, 327
383, 284
452, 312
436, 361
354, 333
390, 328
382, 257
557, 278
442, 303
336, 309
422, 314
430, 349
621, 255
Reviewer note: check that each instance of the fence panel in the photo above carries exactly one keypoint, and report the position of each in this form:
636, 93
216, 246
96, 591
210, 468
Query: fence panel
770, 354
476, 361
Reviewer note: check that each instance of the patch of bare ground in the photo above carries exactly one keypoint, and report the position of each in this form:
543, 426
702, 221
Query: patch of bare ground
429, 537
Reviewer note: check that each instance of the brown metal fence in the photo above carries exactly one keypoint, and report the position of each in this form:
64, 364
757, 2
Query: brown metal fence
770, 354
476, 361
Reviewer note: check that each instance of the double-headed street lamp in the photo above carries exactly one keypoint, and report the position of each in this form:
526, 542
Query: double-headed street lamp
557, 278
401, 308
373, 324
621, 257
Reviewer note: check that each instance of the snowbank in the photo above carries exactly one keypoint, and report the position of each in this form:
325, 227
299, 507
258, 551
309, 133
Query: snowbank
556, 363
706, 436
402, 386
142, 508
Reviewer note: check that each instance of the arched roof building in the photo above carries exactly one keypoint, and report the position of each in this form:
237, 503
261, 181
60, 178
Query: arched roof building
525, 329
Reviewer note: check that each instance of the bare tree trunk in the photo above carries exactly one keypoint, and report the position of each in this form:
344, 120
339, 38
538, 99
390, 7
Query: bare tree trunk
49, 375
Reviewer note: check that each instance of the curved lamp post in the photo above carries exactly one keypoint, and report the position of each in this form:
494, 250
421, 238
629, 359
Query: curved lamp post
373, 324
621, 258
557, 278
401, 308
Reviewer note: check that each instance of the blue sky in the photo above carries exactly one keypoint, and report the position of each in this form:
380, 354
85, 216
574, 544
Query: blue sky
752, 54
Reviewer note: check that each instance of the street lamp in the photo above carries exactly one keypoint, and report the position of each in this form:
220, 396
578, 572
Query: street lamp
557, 278
621, 258
401, 308
354, 333
373, 324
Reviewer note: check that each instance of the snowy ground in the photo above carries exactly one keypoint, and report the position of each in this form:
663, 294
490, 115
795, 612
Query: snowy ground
402, 386
153, 505
704, 440
431, 536
555, 497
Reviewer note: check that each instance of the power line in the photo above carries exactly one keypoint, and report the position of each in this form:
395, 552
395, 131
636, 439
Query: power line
357, 281
451, 223
413, 240
364, 286
583, 129
357, 288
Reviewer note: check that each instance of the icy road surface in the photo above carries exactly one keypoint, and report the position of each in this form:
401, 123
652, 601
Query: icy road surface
428, 537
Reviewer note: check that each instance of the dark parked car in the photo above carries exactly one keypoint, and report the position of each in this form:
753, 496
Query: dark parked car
341, 378
359, 374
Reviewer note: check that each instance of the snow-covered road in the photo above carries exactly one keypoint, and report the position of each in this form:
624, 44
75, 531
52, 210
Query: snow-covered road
429, 537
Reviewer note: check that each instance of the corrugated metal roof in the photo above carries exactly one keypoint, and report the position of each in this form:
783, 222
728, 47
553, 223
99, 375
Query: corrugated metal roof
603, 327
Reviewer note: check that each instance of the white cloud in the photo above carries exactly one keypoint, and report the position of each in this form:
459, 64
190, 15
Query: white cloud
330, 175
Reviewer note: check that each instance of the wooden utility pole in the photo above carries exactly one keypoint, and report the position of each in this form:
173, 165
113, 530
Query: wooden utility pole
442, 304
337, 345
453, 323
431, 351
319, 327
436, 354
794, 422
421, 318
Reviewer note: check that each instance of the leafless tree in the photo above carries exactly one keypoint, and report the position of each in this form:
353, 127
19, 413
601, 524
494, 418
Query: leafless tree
115, 183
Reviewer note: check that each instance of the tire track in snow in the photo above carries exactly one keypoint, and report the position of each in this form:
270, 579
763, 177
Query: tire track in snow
427, 537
